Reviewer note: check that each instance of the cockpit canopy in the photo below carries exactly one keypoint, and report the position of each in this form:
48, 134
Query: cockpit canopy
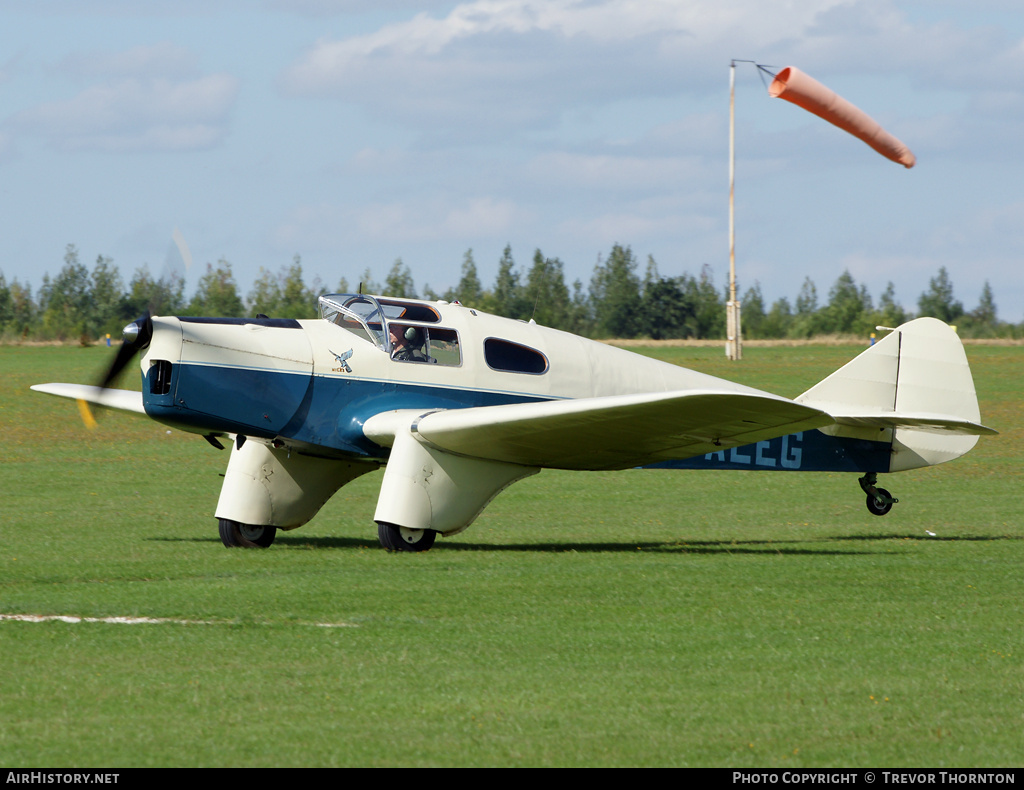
370, 318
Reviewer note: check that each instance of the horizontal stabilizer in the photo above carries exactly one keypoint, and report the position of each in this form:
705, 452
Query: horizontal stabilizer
614, 432
126, 400
935, 423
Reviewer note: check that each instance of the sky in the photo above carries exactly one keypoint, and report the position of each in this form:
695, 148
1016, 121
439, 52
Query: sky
353, 133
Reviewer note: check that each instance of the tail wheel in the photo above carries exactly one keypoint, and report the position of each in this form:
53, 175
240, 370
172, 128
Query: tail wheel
881, 503
396, 538
250, 536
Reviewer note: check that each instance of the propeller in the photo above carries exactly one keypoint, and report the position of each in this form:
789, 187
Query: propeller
139, 332
136, 338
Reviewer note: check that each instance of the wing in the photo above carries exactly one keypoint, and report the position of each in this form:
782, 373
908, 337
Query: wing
125, 400
614, 432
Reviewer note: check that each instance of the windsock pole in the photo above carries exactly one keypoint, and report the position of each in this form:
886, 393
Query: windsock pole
733, 341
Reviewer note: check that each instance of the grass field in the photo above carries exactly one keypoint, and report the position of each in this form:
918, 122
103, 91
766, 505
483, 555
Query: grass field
586, 619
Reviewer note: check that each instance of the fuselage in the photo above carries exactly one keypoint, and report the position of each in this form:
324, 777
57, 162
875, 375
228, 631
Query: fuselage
311, 384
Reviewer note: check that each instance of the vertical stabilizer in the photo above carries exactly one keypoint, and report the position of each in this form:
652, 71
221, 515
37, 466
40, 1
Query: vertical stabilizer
914, 386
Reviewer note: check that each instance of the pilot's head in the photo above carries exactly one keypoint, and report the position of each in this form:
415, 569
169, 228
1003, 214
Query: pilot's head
403, 335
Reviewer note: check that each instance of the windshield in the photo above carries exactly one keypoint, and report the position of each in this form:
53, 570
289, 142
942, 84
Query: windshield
360, 315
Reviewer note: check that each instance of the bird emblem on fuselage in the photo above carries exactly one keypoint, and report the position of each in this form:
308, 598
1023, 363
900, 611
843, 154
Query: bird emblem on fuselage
342, 360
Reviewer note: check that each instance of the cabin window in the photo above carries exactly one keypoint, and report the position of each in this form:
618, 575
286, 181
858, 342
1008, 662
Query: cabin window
408, 311
513, 358
430, 344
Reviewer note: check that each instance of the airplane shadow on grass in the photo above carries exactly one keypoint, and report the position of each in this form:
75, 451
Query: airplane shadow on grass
785, 547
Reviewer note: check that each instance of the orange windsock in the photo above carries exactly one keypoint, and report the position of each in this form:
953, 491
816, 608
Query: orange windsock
794, 86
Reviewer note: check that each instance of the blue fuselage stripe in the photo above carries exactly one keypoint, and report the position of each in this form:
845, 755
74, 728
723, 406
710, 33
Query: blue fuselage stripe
325, 414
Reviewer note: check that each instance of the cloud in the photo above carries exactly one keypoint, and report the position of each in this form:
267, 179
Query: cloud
491, 69
499, 64
145, 99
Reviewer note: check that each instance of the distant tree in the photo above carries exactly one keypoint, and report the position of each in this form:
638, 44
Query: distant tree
579, 319
615, 294
709, 305
283, 295
507, 299
367, 285
547, 293
753, 315
982, 321
217, 293
807, 299
469, 291
667, 309
297, 301
985, 313
160, 297
805, 321
265, 296
890, 313
399, 281
109, 308
779, 320
6, 306
938, 300
848, 310
66, 301
24, 311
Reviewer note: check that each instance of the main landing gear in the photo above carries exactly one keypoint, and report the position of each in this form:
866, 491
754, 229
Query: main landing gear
234, 534
879, 500
250, 536
396, 538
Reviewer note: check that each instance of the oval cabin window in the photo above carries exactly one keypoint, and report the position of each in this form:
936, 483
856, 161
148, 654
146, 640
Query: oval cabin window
513, 358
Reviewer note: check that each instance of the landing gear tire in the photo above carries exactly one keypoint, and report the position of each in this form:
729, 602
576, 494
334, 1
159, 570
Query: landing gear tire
249, 536
396, 538
881, 504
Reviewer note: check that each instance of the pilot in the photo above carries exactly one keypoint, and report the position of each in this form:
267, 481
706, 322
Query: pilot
406, 343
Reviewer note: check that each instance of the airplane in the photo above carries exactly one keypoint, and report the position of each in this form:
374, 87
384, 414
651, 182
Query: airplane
457, 404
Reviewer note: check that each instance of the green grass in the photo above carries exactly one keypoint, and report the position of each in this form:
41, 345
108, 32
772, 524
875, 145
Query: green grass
629, 618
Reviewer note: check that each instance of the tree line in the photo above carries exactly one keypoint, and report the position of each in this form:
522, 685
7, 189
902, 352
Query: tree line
618, 302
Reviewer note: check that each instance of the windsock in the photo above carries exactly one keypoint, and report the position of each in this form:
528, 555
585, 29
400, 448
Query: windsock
794, 86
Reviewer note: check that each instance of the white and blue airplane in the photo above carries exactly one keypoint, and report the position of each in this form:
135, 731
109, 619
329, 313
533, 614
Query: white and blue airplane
457, 404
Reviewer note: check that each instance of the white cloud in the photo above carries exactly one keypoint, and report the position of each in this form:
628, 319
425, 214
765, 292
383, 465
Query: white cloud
495, 64
136, 114
495, 68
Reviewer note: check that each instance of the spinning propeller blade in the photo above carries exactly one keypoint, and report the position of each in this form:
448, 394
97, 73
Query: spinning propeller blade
136, 338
